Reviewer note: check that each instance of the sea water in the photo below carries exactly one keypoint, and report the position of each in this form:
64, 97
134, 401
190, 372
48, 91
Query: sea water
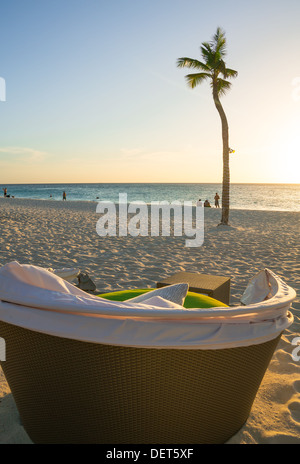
270, 197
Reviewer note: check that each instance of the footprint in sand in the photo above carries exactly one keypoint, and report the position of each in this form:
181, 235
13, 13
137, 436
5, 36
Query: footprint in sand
296, 386
282, 362
294, 408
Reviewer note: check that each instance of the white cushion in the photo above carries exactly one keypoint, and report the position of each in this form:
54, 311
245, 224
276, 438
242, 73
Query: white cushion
175, 293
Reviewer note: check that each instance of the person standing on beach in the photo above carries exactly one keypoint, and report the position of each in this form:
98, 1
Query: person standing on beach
5, 191
64, 196
217, 198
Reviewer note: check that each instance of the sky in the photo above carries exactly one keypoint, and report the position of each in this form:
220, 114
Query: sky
90, 91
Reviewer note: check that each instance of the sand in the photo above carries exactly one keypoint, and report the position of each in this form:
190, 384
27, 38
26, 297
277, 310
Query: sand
63, 234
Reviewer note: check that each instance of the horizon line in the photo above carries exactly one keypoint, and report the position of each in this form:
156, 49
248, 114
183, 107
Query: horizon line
112, 183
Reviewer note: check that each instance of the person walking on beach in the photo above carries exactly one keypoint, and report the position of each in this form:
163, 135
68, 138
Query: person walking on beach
64, 196
217, 198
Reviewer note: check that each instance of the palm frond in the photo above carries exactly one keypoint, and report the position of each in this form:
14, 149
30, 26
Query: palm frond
191, 63
196, 78
206, 51
218, 35
221, 67
206, 47
219, 42
223, 86
231, 73
214, 51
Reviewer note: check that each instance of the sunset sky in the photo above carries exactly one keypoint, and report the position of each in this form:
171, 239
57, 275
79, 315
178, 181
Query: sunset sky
93, 93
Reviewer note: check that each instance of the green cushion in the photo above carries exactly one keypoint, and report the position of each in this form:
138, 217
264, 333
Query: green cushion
192, 300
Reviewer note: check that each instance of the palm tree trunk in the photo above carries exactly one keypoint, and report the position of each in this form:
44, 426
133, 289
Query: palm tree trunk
226, 173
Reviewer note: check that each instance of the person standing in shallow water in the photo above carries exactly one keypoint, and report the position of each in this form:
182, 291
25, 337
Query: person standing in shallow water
64, 196
217, 198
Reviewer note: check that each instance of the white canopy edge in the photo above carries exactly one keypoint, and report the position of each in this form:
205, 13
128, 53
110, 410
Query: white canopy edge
39, 300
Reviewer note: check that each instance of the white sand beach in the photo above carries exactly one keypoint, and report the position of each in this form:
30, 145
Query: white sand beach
60, 234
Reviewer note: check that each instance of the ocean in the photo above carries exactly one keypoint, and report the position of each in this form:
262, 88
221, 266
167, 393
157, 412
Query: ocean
269, 197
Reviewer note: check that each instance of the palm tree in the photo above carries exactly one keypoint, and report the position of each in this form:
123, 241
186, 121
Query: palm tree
214, 69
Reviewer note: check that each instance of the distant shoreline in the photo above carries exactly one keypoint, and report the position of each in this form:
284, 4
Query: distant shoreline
150, 183
94, 202
262, 197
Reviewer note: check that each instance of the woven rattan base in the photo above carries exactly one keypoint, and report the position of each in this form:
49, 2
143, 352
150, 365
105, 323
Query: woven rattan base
69, 391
